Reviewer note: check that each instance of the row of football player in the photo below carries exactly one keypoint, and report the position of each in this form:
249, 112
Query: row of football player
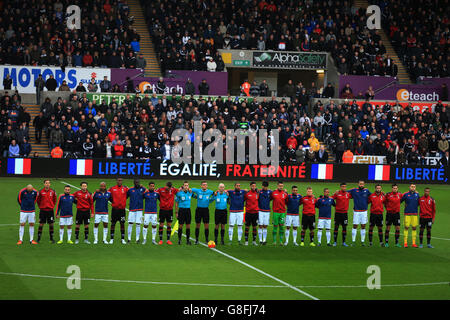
255, 203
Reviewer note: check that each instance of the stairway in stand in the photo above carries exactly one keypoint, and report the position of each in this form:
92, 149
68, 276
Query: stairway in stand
152, 69
42, 149
403, 76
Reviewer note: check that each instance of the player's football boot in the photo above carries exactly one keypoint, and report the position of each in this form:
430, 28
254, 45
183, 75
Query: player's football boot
33, 242
52, 241
398, 245
105, 242
246, 243
128, 241
405, 245
420, 246
189, 243
386, 245
286, 243
95, 241
295, 244
344, 244
328, 244
144, 242
87, 241
69, 241
76, 241
334, 244
414, 245
154, 242
312, 244
123, 241
19, 242
381, 244
60, 242
363, 244
302, 244
196, 242
430, 246
111, 241
370, 244
319, 244
169, 242
254, 243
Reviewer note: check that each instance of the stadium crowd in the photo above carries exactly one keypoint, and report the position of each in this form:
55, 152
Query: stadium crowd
30, 36
189, 35
141, 126
419, 32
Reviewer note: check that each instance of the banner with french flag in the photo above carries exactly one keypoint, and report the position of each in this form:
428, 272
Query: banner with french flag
379, 172
19, 166
80, 167
322, 171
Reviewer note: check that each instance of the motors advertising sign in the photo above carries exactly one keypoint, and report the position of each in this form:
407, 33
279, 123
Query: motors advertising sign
289, 60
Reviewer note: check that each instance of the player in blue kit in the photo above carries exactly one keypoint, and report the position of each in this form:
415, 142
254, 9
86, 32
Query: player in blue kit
220, 215
101, 198
265, 196
237, 198
27, 201
151, 198
324, 204
136, 195
204, 196
183, 211
292, 215
360, 197
64, 208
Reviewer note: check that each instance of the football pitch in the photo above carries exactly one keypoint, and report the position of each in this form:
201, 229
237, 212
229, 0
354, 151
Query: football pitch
136, 271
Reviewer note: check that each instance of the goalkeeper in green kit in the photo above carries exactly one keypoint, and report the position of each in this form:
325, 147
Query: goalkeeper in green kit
279, 199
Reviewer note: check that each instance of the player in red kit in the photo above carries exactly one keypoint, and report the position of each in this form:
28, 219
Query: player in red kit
392, 204
119, 202
46, 201
308, 216
279, 200
166, 202
427, 214
85, 211
251, 216
342, 199
376, 201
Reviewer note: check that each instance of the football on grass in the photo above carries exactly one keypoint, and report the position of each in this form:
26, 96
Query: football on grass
211, 244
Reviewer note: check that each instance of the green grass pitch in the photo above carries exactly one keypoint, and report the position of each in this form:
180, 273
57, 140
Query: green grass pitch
197, 272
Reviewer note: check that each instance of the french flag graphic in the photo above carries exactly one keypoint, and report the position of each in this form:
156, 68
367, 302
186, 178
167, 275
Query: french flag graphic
19, 166
379, 172
322, 171
80, 167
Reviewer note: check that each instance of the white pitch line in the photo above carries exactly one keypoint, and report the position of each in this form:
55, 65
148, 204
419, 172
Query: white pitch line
246, 264
11, 224
217, 284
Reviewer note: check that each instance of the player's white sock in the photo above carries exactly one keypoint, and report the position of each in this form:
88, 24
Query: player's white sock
328, 233
105, 233
21, 232
363, 235
144, 233
294, 235
264, 234
319, 235
286, 234
138, 231
354, 231
154, 233
260, 234
96, 233
61, 234
230, 232
130, 229
69, 234
31, 230
239, 233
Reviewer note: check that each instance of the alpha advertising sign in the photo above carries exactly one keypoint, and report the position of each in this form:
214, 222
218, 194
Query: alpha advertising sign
289, 60
24, 77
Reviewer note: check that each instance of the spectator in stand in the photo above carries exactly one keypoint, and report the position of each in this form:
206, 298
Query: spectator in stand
7, 82
25, 148
141, 63
92, 86
211, 66
57, 152
14, 149
80, 87
189, 87
118, 150
264, 88
160, 86
51, 83
105, 85
64, 86
203, 88
328, 92
322, 155
314, 143
254, 89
